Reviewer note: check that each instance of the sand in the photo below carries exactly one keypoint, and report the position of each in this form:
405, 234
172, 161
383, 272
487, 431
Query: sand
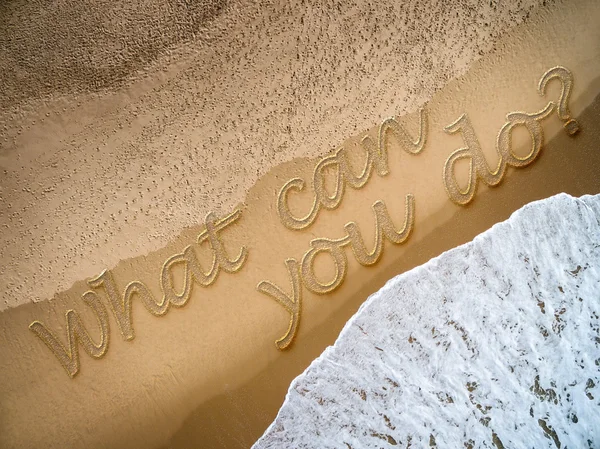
196, 127
121, 177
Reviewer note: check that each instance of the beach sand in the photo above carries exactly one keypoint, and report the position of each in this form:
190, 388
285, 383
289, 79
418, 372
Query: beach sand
121, 174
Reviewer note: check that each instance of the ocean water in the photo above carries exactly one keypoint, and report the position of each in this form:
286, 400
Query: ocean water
494, 344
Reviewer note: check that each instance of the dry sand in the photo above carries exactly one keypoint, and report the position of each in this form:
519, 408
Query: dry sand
86, 170
122, 177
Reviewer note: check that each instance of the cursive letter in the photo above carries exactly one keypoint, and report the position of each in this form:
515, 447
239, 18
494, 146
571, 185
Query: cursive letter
76, 333
292, 304
531, 123
384, 227
478, 166
213, 226
334, 249
121, 305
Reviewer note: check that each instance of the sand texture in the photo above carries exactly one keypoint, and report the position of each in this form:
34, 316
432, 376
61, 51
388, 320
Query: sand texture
114, 154
91, 164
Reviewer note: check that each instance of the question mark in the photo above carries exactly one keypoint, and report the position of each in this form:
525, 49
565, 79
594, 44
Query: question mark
566, 78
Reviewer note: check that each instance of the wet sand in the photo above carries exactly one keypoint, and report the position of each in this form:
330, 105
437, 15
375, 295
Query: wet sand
237, 418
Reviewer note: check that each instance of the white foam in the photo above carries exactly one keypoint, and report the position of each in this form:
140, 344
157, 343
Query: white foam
486, 344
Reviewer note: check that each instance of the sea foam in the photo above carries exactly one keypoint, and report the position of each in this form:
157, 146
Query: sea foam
495, 343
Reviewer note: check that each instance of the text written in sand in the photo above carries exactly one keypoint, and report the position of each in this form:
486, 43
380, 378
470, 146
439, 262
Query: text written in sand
302, 273
376, 160
120, 304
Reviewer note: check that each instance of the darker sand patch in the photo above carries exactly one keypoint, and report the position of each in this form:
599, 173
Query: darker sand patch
80, 46
239, 417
